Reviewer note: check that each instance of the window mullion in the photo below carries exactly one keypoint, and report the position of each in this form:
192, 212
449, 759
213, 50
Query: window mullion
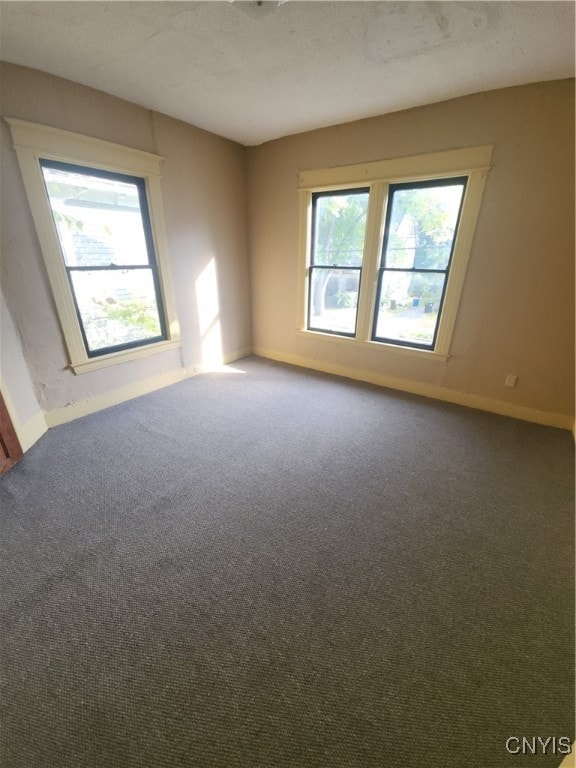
371, 259
304, 238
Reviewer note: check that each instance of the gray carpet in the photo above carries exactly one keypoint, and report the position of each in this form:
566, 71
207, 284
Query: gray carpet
277, 568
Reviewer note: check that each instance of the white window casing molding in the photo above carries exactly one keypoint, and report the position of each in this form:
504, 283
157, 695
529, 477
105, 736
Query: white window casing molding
34, 142
473, 163
455, 162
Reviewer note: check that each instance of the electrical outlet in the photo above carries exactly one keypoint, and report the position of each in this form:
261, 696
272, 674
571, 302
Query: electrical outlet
511, 380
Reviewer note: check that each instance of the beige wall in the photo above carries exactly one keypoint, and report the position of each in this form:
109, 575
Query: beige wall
16, 384
203, 187
15, 373
517, 309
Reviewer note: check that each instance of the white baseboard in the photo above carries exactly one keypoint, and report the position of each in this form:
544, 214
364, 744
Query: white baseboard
144, 387
31, 431
91, 405
479, 402
224, 360
28, 432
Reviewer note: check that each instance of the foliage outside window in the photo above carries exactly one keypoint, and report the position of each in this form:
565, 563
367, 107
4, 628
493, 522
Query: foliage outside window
385, 262
339, 225
421, 226
103, 225
97, 209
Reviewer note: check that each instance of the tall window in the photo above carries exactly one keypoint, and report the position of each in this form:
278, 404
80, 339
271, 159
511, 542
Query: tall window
339, 225
419, 235
103, 225
97, 208
384, 262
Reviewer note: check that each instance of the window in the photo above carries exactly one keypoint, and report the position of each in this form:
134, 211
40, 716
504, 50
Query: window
339, 226
97, 211
419, 235
104, 230
384, 264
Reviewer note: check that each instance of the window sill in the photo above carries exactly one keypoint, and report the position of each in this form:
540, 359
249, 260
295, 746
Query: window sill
428, 354
122, 357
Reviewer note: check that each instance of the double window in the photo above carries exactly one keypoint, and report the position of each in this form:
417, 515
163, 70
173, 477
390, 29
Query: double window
98, 213
384, 262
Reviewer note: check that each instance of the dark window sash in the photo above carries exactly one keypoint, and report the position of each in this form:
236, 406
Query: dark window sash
140, 184
309, 326
333, 193
427, 184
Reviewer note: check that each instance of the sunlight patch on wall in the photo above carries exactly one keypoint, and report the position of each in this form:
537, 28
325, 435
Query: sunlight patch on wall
208, 304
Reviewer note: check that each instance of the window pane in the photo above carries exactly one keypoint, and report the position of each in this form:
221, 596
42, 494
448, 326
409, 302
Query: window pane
422, 225
340, 229
116, 307
334, 299
408, 307
99, 220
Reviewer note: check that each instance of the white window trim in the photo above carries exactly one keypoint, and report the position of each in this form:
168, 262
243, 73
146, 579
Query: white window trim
32, 142
473, 162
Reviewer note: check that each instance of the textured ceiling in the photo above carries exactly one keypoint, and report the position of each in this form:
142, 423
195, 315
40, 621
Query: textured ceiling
257, 73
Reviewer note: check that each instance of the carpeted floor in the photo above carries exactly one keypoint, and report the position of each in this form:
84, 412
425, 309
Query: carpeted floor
272, 568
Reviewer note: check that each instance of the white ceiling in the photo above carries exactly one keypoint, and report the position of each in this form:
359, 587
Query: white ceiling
257, 73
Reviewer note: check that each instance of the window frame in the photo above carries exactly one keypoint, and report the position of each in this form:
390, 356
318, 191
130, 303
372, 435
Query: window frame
34, 143
392, 187
313, 266
472, 163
